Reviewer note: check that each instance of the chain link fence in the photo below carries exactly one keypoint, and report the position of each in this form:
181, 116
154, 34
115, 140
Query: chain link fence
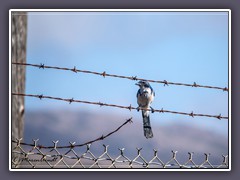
37, 157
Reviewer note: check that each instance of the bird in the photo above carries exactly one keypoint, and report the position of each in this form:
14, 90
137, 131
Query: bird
145, 96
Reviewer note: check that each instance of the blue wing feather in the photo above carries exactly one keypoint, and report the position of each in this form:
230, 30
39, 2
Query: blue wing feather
138, 93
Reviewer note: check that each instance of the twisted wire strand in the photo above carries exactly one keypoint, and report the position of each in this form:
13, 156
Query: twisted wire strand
135, 78
18, 141
119, 106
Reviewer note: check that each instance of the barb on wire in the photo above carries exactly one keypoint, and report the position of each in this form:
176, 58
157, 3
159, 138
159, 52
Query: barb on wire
104, 74
72, 145
118, 106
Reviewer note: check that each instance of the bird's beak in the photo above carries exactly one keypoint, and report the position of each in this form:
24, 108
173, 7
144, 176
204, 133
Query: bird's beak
137, 84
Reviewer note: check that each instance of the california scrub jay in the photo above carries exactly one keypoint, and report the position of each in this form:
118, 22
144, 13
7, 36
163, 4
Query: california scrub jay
145, 96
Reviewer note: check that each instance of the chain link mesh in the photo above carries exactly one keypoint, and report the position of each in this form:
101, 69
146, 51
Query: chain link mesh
37, 157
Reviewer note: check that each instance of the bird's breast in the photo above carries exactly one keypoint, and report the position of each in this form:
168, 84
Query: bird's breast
144, 98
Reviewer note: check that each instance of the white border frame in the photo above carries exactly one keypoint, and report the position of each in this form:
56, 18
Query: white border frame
122, 10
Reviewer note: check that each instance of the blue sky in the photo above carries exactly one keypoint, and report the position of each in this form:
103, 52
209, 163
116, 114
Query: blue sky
182, 47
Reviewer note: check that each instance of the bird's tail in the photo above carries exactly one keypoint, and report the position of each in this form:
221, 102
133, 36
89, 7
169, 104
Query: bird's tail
146, 124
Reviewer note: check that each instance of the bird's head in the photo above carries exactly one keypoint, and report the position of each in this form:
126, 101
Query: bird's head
143, 84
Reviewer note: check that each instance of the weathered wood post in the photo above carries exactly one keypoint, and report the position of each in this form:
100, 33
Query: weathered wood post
18, 54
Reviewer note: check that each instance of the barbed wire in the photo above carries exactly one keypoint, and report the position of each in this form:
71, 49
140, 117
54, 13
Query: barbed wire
104, 74
37, 157
72, 144
119, 106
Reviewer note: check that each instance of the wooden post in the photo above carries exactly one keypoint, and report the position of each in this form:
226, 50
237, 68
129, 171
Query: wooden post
18, 54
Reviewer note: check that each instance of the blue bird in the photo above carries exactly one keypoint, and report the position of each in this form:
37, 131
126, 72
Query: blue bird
145, 97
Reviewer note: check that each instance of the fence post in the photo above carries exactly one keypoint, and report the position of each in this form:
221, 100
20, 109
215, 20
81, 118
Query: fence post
18, 54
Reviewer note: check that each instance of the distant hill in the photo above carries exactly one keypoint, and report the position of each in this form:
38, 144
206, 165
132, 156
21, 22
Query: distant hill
81, 126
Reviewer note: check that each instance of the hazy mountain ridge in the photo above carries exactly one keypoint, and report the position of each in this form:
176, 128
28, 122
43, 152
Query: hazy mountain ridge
83, 126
